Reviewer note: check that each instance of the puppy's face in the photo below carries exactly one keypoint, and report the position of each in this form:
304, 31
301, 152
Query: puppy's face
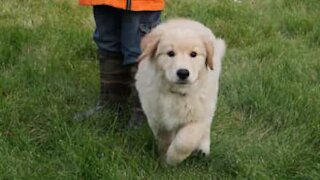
181, 55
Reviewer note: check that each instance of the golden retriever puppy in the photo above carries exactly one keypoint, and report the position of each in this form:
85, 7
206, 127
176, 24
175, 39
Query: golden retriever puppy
177, 83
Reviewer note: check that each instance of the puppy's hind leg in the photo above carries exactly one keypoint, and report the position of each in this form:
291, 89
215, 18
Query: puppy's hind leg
164, 139
186, 141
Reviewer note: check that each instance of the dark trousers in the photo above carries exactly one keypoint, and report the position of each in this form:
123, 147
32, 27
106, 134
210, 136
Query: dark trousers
120, 31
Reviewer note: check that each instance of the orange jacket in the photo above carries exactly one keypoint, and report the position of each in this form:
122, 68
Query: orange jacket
132, 5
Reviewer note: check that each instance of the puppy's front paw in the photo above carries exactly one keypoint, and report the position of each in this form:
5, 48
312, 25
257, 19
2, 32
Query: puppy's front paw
205, 147
200, 153
174, 157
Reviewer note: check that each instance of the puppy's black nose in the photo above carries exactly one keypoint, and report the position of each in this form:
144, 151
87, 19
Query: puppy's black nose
183, 74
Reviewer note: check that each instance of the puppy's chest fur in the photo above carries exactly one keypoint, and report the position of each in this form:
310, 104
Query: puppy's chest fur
174, 110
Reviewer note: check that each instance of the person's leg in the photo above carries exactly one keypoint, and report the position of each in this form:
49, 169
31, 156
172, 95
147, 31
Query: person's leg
114, 77
107, 33
134, 26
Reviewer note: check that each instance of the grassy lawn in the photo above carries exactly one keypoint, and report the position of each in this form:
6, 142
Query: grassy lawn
267, 125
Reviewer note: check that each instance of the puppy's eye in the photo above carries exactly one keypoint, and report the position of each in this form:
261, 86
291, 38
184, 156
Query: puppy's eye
193, 54
171, 53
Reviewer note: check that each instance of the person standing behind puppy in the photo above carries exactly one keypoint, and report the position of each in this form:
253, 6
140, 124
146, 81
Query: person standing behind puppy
120, 25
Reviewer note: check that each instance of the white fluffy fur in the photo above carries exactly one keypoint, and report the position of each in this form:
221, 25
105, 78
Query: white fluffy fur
179, 115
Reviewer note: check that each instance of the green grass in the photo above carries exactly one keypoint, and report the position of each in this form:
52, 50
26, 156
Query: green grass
267, 125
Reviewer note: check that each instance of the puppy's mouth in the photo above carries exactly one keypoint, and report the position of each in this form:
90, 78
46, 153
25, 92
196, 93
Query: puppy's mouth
182, 82
181, 87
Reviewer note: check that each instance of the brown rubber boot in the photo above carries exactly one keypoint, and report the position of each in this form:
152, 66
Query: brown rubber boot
115, 80
115, 85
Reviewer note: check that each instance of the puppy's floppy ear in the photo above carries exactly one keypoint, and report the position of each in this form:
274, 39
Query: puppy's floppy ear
210, 51
149, 45
215, 51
